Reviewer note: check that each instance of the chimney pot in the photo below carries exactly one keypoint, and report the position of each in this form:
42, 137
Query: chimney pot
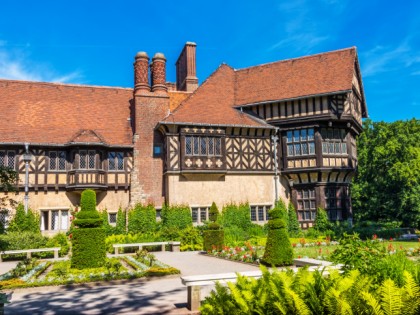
158, 69
141, 72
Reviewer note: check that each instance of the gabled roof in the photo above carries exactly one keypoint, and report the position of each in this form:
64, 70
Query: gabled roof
214, 101
324, 73
50, 113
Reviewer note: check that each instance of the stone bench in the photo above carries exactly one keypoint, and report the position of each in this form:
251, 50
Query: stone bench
194, 283
30, 251
173, 245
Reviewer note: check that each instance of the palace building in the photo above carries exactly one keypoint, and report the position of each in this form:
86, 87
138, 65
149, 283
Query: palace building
284, 129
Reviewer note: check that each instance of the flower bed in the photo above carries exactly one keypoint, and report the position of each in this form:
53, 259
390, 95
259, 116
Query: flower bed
62, 274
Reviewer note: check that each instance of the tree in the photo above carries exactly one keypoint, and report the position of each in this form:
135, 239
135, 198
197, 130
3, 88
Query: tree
8, 181
293, 224
387, 185
24, 222
321, 223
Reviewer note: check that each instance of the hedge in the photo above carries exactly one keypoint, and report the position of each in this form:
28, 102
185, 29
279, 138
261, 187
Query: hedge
234, 215
142, 219
88, 248
176, 216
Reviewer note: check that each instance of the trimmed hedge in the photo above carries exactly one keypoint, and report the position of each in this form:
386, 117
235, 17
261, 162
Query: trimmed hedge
321, 222
293, 224
176, 216
213, 212
88, 238
120, 227
142, 219
278, 249
88, 248
214, 238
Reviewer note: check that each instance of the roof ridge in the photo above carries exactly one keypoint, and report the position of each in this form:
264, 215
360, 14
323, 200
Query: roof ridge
299, 58
64, 84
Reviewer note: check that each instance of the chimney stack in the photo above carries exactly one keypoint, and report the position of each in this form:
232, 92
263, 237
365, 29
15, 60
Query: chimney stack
141, 72
186, 77
158, 69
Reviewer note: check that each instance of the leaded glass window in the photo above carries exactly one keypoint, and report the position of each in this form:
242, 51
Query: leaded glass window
111, 161
300, 142
200, 145
115, 161
334, 141
306, 204
7, 159
82, 159
92, 158
57, 160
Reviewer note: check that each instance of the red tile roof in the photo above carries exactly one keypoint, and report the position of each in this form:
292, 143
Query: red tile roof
311, 75
37, 112
214, 101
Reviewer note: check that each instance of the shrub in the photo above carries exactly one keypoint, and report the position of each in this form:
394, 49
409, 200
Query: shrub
24, 222
321, 223
234, 215
120, 227
235, 236
213, 237
176, 216
108, 228
142, 219
88, 238
23, 240
191, 239
213, 212
59, 240
293, 223
278, 250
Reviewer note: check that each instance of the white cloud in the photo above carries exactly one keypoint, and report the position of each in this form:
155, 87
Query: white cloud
299, 30
16, 65
382, 59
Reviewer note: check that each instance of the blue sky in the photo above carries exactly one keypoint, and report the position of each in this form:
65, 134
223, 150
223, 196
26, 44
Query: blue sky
94, 42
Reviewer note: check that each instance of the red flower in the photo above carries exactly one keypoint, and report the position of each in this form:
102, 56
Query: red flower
71, 235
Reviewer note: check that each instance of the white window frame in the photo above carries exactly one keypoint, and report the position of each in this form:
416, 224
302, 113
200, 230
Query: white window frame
259, 209
200, 210
63, 223
109, 218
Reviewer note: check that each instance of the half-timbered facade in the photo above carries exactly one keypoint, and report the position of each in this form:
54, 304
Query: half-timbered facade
281, 130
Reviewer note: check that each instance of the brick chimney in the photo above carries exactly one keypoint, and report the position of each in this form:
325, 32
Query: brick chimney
186, 77
158, 69
141, 72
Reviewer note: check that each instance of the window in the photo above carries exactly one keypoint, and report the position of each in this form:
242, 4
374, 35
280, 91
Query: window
196, 145
300, 142
112, 218
336, 198
259, 213
115, 161
87, 159
54, 220
334, 141
57, 160
306, 204
4, 218
7, 159
199, 214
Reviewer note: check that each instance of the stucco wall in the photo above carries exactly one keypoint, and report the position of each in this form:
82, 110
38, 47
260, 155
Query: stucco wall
109, 200
199, 189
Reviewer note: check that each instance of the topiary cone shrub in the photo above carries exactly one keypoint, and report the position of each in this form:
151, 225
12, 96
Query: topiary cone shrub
278, 250
88, 236
214, 236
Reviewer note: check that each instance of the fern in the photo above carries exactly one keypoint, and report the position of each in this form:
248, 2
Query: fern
411, 295
391, 301
372, 306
